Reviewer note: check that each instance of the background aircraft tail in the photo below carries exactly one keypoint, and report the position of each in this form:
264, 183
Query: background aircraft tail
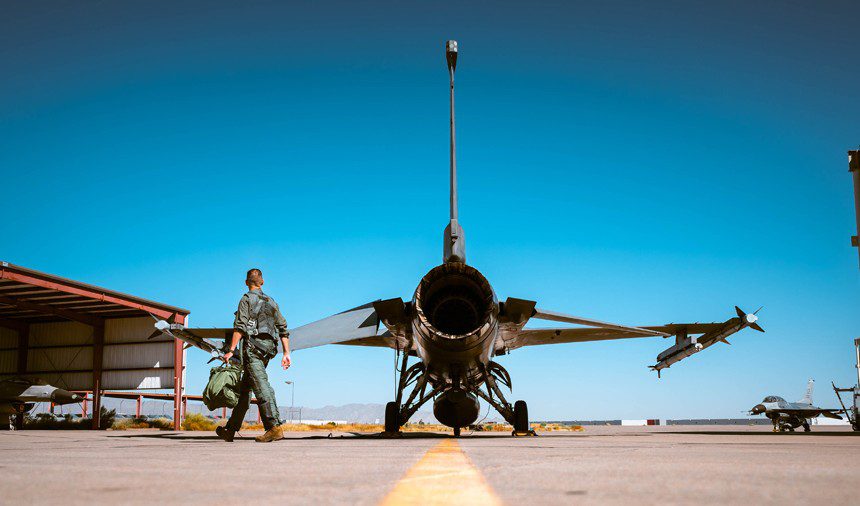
807, 398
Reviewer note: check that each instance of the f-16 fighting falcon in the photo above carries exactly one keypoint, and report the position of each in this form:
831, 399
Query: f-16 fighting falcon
456, 327
787, 416
17, 396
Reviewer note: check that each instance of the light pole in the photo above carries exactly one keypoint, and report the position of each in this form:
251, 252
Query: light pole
292, 397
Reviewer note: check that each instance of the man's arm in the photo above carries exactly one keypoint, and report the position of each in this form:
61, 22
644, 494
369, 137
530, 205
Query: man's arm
240, 326
234, 341
286, 361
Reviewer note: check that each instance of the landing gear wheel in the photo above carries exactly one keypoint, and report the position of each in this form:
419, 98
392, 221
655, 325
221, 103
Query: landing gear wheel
392, 417
456, 431
521, 417
806, 427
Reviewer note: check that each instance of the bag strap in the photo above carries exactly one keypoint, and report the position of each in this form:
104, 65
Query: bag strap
255, 311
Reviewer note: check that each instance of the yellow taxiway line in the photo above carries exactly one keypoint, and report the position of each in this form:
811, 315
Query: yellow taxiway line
444, 475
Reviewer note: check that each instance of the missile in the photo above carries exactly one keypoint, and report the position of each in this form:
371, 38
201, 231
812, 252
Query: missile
687, 348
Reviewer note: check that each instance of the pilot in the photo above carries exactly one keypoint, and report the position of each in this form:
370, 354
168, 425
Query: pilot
259, 323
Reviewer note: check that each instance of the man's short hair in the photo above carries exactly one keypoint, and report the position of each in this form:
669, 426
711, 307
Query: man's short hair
254, 276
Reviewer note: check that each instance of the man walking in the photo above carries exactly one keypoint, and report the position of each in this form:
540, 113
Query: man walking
259, 323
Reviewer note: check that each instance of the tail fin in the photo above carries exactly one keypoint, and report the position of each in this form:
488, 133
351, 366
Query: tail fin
807, 398
454, 248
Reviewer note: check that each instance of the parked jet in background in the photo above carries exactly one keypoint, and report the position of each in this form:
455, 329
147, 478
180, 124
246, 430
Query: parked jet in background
17, 396
787, 416
456, 327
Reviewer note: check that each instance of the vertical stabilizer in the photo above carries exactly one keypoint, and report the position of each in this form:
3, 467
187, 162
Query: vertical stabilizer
454, 248
807, 398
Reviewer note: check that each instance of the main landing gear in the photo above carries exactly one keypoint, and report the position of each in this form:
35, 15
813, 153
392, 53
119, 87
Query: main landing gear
516, 415
398, 412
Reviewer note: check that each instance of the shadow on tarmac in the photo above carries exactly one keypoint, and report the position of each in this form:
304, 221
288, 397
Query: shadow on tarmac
751, 433
340, 436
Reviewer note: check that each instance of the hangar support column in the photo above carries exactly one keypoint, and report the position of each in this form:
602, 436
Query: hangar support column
178, 367
23, 352
98, 360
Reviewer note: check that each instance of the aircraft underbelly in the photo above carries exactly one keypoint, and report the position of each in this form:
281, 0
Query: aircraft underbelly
465, 359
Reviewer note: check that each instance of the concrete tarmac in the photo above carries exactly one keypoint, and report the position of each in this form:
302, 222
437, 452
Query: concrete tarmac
602, 465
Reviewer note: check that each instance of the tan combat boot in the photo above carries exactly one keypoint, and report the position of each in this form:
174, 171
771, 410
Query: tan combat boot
273, 434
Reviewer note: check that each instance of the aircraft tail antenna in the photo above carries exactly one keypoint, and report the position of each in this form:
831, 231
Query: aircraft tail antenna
454, 249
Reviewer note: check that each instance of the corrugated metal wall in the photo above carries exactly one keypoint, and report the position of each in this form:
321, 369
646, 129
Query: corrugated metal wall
54, 347
44, 359
8, 358
60, 333
155, 358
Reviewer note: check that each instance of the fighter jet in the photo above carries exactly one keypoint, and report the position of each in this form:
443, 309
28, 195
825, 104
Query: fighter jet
18, 396
787, 416
456, 327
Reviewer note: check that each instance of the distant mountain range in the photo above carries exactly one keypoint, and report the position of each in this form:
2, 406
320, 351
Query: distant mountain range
358, 413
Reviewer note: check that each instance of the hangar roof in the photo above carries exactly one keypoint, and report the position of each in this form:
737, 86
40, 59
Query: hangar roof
28, 296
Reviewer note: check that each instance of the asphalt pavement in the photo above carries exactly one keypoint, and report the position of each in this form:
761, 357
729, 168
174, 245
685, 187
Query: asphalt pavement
601, 465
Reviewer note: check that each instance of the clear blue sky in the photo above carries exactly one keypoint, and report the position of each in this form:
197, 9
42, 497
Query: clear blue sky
633, 163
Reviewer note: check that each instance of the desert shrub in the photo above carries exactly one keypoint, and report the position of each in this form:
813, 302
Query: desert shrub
143, 423
161, 423
196, 421
107, 418
47, 421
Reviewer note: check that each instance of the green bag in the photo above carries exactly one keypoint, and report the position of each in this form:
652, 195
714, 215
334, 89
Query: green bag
222, 391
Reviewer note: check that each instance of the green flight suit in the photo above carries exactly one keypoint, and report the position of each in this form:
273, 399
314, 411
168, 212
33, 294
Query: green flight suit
257, 318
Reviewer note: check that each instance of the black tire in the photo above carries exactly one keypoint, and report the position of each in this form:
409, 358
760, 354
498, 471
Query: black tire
521, 417
806, 427
392, 417
456, 431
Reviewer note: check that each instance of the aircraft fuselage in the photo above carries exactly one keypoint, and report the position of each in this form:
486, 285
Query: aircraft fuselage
455, 326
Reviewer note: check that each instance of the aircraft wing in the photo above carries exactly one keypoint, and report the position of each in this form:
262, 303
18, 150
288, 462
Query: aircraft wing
358, 326
690, 338
812, 412
532, 337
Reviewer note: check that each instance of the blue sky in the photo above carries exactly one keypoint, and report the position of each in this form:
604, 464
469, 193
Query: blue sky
636, 164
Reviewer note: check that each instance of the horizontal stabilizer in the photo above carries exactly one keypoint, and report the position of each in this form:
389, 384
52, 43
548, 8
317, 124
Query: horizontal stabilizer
357, 323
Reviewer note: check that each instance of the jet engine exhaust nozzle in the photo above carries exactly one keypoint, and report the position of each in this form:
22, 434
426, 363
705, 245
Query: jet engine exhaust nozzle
454, 301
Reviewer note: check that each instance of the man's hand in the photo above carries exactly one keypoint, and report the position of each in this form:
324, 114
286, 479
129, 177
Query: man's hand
285, 362
227, 356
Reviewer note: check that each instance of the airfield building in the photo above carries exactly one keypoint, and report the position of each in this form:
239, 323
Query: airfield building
86, 338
